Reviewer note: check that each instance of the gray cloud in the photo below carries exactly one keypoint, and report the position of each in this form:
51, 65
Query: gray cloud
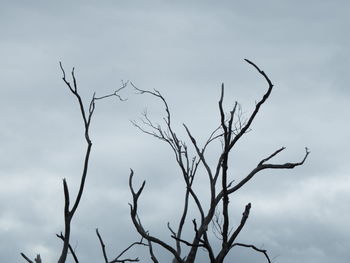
185, 50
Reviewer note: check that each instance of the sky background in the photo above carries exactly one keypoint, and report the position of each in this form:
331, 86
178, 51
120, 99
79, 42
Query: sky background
185, 49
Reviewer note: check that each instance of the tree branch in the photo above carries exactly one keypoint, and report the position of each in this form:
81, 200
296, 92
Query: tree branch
261, 166
232, 128
125, 250
26, 258
60, 236
103, 246
225, 249
86, 116
137, 223
257, 106
255, 248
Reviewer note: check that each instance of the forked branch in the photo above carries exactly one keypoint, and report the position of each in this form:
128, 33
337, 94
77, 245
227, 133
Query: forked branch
71, 250
117, 258
86, 115
137, 222
231, 129
263, 165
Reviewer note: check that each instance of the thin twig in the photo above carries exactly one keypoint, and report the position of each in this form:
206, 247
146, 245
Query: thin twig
103, 247
255, 248
26, 258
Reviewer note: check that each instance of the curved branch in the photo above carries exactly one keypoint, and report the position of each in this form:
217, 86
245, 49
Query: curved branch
261, 166
255, 248
245, 128
137, 223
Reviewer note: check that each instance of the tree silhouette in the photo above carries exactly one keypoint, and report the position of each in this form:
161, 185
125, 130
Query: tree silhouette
231, 129
69, 211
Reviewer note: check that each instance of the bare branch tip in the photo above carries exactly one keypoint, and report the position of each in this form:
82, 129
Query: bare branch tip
307, 150
248, 61
62, 69
26, 258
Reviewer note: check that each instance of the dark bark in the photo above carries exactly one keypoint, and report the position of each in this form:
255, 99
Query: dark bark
232, 128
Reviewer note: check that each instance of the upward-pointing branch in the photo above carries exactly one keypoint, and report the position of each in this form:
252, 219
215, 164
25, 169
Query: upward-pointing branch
257, 106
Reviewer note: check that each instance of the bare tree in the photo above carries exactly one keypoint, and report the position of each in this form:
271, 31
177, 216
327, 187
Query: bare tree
231, 129
69, 211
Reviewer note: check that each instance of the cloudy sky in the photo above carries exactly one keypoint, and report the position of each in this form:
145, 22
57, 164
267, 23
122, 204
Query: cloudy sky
185, 49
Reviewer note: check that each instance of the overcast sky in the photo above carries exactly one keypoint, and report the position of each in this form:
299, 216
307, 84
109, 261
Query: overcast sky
184, 49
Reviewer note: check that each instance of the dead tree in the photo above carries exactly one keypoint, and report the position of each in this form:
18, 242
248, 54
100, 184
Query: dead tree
69, 211
231, 129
